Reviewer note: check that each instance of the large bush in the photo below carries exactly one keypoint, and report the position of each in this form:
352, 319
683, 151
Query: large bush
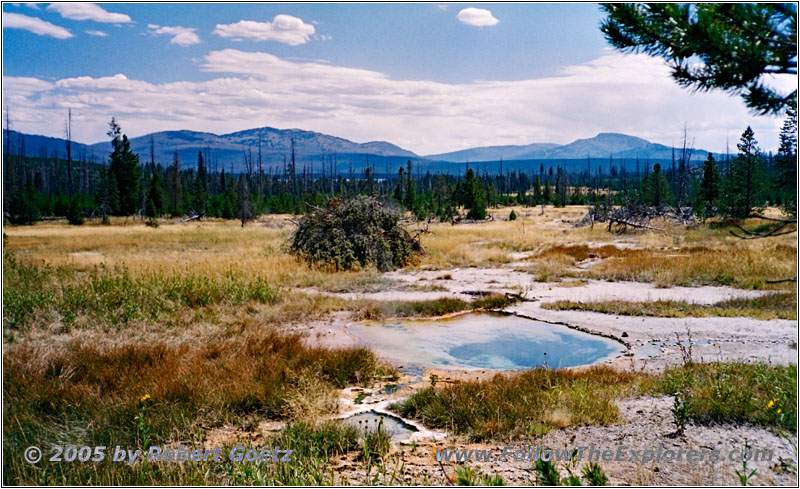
358, 232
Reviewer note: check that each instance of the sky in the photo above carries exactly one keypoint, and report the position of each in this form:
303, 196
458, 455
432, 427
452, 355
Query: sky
429, 77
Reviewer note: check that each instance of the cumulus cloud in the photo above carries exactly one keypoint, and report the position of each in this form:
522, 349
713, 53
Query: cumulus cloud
478, 17
182, 36
631, 94
88, 11
283, 28
96, 33
35, 25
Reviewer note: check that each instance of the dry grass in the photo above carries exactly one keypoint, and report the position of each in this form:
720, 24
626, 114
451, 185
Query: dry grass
489, 243
707, 255
211, 249
728, 263
525, 405
145, 394
781, 305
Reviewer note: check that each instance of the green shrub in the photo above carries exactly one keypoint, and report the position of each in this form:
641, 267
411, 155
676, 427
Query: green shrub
75, 213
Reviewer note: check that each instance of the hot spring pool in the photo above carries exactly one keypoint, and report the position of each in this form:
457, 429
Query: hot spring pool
483, 341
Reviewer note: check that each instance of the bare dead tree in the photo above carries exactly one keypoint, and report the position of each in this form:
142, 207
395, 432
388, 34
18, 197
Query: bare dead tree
244, 207
260, 169
68, 131
779, 229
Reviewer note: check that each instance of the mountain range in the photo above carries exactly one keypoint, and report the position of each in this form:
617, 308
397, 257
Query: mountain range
601, 146
231, 150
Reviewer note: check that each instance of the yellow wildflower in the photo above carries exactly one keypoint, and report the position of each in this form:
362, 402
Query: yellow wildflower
778, 411
770, 404
145, 397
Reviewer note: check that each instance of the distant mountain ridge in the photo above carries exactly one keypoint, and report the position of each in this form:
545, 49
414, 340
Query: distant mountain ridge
601, 146
229, 151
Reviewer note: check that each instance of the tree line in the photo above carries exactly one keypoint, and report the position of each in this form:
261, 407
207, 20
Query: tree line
45, 187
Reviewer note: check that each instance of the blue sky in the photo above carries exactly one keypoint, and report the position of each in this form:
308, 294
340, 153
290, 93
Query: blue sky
428, 77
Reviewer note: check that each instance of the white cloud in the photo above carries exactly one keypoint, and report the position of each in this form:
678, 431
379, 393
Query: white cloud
283, 28
442, 6
182, 36
35, 25
631, 94
96, 33
88, 11
478, 17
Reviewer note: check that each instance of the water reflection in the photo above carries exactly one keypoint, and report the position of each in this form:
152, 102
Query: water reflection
483, 341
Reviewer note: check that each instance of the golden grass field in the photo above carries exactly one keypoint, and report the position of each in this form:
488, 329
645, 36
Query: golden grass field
217, 247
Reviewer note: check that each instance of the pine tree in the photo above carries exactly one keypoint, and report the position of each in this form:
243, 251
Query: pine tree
75, 211
475, 197
411, 190
786, 162
726, 46
125, 170
398, 190
655, 188
708, 193
155, 196
201, 186
744, 181
23, 208
176, 188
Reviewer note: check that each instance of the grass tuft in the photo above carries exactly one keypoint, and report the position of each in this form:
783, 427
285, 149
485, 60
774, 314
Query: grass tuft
527, 404
781, 305
518, 405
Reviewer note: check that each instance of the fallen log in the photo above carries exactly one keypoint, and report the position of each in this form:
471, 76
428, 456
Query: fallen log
190, 218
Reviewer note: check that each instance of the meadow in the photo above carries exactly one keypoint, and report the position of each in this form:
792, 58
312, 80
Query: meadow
136, 336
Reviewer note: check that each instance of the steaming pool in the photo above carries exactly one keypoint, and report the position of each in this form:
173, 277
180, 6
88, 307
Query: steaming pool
483, 341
